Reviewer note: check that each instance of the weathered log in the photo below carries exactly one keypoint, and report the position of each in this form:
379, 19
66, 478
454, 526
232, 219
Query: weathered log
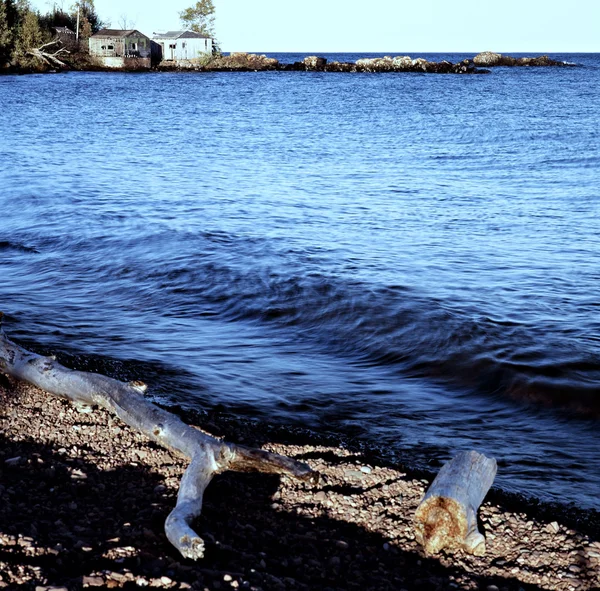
49, 58
209, 456
447, 515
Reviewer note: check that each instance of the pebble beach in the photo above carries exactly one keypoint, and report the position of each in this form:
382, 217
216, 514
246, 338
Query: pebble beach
83, 500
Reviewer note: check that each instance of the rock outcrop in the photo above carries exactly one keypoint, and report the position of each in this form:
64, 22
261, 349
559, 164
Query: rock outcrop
384, 64
312, 62
250, 62
489, 59
407, 64
234, 62
244, 61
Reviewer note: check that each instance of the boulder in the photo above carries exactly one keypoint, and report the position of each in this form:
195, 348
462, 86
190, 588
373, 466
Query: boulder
402, 62
541, 61
313, 62
376, 64
487, 59
420, 64
490, 59
340, 67
241, 61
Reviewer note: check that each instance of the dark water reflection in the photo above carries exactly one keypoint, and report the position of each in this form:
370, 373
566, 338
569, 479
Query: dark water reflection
412, 259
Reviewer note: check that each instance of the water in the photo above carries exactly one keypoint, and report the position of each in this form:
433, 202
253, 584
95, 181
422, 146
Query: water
408, 259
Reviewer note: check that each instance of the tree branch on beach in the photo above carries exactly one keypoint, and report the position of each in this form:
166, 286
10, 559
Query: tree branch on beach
209, 456
49, 58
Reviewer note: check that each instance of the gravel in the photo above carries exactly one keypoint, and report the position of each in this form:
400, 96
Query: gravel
83, 500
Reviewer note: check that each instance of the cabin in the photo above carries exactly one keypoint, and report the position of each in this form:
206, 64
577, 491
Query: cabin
65, 36
119, 48
179, 46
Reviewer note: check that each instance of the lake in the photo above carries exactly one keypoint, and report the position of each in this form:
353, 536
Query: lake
403, 259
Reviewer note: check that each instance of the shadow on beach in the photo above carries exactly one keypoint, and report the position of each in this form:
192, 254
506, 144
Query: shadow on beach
76, 512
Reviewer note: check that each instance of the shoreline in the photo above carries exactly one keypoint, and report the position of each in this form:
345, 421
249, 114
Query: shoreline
83, 500
252, 62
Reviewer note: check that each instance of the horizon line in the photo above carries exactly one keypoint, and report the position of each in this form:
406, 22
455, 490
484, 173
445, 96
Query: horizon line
312, 52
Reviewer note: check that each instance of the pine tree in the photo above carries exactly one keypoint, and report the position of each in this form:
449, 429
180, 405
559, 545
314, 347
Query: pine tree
30, 34
5, 34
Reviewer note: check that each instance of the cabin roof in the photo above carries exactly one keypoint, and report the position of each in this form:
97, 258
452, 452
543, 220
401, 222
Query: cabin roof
179, 35
111, 33
64, 30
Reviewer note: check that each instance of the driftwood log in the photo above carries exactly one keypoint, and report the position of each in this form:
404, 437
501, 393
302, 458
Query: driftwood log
447, 515
208, 455
49, 58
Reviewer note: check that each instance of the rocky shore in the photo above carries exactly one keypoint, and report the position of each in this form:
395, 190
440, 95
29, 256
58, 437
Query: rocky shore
83, 500
489, 59
250, 62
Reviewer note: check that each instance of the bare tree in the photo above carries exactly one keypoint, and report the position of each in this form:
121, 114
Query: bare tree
125, 22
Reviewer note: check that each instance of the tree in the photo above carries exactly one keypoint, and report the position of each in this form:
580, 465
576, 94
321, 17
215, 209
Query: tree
199, 18
57, 18
125, 22
85, 30
87, 12
30, 33
5, 33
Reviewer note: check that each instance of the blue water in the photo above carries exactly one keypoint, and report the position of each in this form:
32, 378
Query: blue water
408, 259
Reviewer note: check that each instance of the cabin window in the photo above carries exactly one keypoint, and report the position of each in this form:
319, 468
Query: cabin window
110, 47
103, 47
134, 46
173, 46
183, 45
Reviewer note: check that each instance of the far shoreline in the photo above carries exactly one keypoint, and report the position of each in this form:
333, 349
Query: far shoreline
252, 62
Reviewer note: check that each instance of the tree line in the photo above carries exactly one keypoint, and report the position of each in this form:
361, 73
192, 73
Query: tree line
22, 28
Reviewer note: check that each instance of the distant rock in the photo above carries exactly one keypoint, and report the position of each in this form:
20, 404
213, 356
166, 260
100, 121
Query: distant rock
341, 67
312, 62
407, 64
489, 59
242, 62
250, 62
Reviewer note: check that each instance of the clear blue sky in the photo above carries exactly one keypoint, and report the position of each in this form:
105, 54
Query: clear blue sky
379, 25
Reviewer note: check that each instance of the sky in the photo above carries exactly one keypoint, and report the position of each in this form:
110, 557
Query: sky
388, 26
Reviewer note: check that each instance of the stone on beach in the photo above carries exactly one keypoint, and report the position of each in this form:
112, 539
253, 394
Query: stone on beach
341, 533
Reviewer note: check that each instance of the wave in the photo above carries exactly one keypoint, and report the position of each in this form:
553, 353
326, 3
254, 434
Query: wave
292, 292
392, 325
9, 245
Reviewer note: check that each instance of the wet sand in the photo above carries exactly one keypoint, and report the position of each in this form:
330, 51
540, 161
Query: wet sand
83, 501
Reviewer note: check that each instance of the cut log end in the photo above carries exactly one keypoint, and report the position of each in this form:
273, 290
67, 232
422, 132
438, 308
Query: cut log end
447, 515
440, 523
